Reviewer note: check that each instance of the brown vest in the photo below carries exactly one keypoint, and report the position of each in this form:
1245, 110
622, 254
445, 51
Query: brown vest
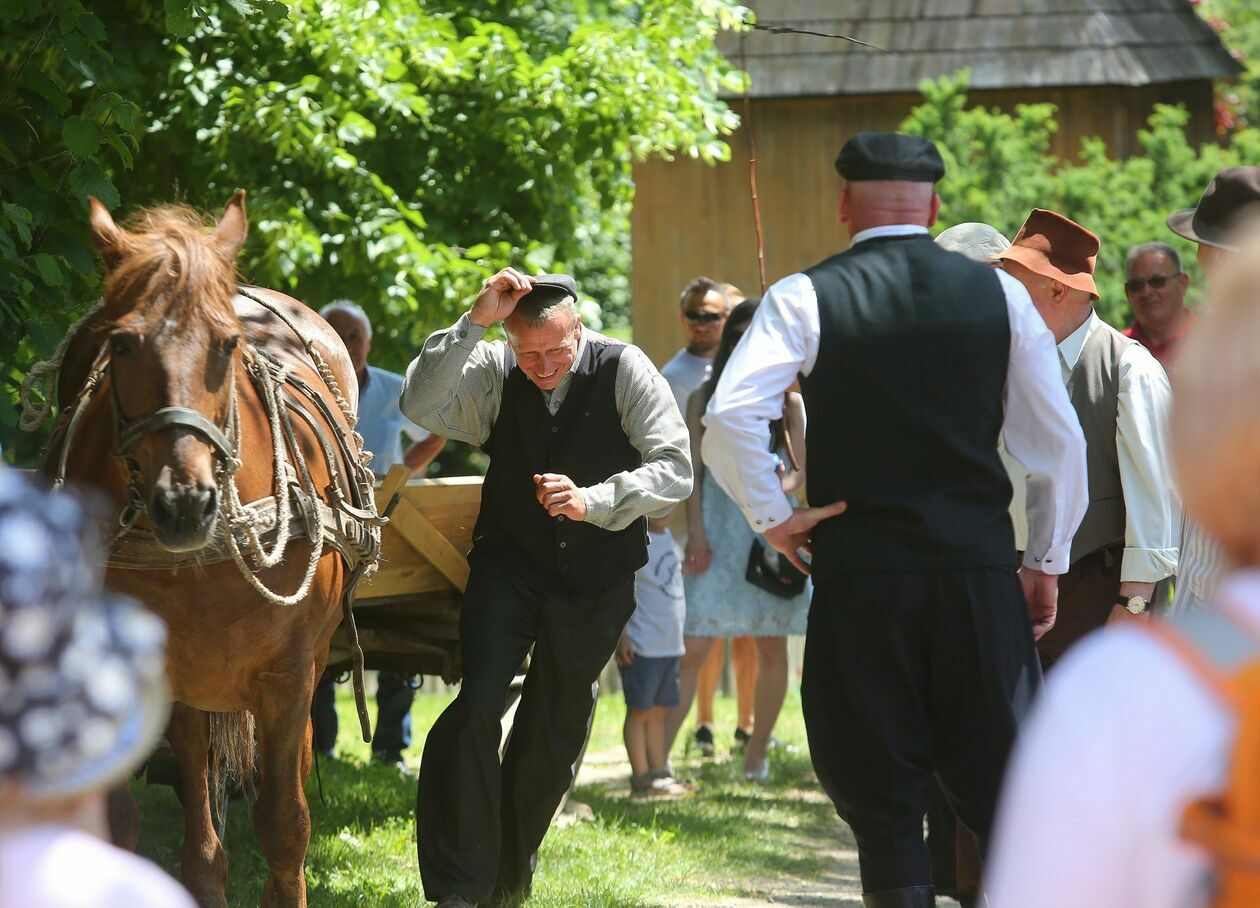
1094, 388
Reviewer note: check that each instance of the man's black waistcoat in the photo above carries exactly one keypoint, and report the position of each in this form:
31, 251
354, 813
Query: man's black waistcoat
584, 441
905, 410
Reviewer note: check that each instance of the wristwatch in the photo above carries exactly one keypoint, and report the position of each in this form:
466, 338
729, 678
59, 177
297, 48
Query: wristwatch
1135, 604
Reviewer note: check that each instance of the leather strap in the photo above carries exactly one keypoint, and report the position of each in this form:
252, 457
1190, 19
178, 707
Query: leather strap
130, 433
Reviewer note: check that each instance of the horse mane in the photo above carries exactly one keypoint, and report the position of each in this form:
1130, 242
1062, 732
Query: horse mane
169, 265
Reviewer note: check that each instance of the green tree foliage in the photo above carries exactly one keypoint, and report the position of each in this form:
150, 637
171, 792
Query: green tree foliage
63, 132
998, 167
396, 153
1238, 23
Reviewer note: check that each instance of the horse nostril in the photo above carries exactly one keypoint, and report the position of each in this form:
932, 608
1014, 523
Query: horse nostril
162, 507
210, 503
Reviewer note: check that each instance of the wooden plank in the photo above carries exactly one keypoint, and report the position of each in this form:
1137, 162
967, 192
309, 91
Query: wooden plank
394, 480
451, 506
425, 539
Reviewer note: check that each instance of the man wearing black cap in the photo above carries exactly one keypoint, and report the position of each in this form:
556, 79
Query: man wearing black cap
919, 658
1229, 201
585, 442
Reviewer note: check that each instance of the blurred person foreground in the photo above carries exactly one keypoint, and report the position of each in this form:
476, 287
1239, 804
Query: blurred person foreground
1136, 775
83, 701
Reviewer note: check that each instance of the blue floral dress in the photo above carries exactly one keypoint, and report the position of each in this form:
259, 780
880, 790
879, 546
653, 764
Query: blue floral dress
720, 602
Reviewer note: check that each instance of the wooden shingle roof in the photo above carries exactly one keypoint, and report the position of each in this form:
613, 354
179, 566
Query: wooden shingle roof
1006, 43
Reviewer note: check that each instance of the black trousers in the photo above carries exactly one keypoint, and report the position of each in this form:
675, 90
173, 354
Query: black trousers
910, 675
478, 823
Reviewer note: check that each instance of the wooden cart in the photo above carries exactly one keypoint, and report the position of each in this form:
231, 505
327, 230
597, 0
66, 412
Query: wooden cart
408, 614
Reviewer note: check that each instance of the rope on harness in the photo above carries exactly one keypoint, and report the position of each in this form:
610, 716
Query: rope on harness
46, 372
240, 518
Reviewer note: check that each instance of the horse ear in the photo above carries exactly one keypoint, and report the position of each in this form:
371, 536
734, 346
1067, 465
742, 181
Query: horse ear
106, 235
232, 227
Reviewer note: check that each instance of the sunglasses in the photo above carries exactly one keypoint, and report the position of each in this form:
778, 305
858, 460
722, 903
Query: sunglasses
1135, 285
703, 318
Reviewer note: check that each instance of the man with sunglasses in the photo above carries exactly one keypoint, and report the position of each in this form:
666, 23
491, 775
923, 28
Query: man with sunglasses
702, 310
703, 307
1156, 289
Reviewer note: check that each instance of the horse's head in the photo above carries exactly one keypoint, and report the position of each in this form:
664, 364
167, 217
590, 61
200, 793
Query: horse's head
171, 332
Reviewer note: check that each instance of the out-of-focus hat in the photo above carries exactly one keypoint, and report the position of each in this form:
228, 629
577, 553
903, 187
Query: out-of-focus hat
889, 156
1057, 247
979, 242
83, 692
1231, 197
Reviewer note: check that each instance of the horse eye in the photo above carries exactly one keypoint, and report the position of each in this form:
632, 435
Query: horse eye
122, 344
230, 344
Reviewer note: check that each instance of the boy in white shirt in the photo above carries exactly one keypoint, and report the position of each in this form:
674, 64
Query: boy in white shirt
648, 656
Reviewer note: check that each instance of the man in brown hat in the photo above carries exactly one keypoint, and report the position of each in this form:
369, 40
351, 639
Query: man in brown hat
1127, 543
1229, 201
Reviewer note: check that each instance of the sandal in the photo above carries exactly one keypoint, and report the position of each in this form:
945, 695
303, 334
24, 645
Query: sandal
759, 776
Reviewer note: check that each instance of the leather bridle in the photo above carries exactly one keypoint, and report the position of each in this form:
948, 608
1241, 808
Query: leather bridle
130, 432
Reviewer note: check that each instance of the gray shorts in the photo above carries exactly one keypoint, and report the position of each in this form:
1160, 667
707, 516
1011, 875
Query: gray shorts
651, 681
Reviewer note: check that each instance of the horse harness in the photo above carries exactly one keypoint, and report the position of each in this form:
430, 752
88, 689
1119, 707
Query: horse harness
255, 534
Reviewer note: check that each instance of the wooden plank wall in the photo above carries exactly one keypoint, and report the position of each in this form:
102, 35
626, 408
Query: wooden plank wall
691, 219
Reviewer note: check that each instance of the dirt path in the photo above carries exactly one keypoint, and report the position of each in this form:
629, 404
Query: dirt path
832, 844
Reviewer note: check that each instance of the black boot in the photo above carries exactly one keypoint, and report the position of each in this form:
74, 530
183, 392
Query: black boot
909, 897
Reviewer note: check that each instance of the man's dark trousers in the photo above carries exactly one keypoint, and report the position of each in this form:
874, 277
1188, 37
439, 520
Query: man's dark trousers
906, 675
479, 824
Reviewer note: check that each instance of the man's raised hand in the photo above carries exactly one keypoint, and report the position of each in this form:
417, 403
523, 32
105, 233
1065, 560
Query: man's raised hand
499, 296
796, 533
560, 496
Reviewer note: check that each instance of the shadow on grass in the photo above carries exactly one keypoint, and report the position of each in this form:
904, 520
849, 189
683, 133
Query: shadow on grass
755, 831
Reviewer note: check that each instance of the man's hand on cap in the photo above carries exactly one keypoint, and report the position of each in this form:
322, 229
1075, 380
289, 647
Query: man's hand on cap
560, 496
499, 296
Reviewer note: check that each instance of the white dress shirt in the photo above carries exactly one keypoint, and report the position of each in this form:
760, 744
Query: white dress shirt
1152, 509
1123, 737
1041, 429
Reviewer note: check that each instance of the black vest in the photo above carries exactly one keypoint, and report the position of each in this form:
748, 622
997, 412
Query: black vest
905, 410
584, 441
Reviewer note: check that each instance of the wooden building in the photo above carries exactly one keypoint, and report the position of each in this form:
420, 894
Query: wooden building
1104, 63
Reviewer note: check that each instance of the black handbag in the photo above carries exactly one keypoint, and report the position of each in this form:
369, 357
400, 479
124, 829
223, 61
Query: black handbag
770, 570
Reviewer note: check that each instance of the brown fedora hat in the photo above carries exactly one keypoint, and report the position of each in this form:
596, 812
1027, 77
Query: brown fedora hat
1233, 193
1056, 247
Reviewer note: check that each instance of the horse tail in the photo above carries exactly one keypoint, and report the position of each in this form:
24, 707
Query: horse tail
232, 764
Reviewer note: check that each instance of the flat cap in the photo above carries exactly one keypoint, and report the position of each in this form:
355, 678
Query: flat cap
890, 156
546, 285
979, 242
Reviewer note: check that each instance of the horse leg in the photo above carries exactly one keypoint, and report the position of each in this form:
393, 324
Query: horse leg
282, 819
204, 863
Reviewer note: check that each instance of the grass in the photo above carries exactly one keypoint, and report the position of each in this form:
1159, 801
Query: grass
731, 839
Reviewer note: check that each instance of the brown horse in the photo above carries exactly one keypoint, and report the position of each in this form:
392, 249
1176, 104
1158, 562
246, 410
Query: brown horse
174, 418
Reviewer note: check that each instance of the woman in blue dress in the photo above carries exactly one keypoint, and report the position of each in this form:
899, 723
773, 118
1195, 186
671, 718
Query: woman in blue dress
720, 601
